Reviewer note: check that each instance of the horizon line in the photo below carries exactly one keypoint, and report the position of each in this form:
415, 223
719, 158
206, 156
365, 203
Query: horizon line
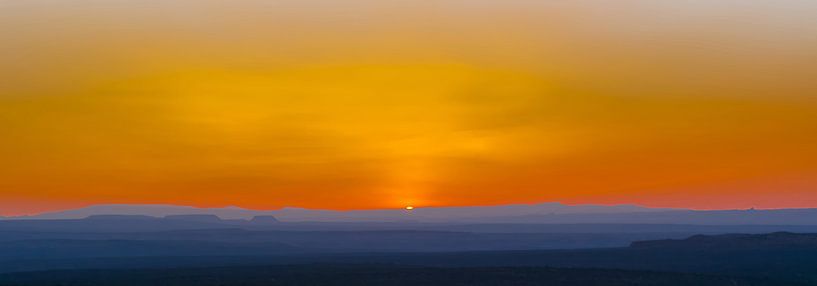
415, 207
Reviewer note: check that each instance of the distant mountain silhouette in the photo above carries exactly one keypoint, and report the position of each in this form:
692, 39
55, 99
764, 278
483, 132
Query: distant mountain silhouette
431, 214
716, 217
149, 210
546, 213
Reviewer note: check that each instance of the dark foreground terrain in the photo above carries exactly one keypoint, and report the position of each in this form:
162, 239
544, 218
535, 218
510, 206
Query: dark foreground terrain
205, 250
370, 275
777, 256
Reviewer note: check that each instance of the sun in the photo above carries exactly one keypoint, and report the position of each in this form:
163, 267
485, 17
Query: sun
408, 208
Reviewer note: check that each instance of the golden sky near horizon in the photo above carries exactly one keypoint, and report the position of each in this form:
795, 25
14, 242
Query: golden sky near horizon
380, 104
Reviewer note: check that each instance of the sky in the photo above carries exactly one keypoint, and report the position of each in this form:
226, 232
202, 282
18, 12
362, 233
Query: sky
362, 104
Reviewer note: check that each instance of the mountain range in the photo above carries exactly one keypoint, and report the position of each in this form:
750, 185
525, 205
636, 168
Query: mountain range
544, 213
430, 214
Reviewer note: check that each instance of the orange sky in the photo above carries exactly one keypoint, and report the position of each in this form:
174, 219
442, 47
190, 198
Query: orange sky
380, 104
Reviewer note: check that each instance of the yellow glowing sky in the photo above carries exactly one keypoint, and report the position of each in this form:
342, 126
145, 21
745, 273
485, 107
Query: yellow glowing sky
381, 104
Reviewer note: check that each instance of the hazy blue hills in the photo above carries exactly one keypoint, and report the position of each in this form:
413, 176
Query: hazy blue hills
762, 259
227, 242
140, 223
751, 247
777, 240
266, 235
